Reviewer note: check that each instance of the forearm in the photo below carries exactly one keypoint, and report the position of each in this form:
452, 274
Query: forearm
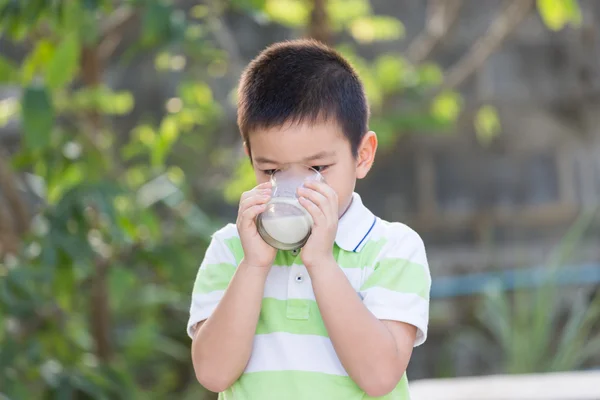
364, 345
223, 343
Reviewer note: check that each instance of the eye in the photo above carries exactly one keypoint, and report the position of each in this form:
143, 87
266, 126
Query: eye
320, 168
269, 171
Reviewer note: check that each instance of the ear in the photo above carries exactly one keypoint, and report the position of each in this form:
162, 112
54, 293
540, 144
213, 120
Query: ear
366, 154
247, 151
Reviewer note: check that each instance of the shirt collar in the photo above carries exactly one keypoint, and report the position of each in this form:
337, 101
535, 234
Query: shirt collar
355, 225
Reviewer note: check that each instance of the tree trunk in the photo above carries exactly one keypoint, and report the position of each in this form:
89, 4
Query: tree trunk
318, 28
91, 72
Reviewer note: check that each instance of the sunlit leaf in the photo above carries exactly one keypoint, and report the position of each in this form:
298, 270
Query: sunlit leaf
342, 12
64, 64
294, 13
196, 93
104, 100
376, 28
9, 108
447, 106
487, 124
67, 179
35, 63
558, 13
389, 70
37, 117
430, 74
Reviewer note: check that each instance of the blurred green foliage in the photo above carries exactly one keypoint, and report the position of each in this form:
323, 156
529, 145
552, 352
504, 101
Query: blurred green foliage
95, 303
544, 329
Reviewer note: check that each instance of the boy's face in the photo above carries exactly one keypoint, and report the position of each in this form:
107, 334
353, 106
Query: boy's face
322, 146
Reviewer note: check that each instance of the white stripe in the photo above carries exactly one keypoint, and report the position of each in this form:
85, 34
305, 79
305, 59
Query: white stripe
227, 232
276, 286
395, 306
218, 253
288, 352
407, 244
203, 304
281, 279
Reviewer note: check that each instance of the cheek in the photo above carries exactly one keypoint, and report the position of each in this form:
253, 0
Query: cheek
260, 177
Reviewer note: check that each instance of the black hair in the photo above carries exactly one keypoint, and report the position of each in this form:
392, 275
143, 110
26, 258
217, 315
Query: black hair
302, 81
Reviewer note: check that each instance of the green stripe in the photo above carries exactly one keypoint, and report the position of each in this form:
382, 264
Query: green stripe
235, 245
213, 277
286, 259
296, 316
364, 258
346, 259
300, 385
400, 275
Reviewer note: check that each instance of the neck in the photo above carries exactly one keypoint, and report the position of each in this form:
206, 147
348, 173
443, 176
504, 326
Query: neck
347, 207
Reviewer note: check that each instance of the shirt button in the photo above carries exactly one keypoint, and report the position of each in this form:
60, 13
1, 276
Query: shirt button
299, 278
295, 252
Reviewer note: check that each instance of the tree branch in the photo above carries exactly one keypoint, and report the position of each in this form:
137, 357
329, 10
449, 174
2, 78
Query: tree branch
113, 31
503, 25
91, 71
441, 17
14, 201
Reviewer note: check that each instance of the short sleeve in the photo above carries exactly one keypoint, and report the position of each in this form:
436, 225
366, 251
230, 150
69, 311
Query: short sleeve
214, 275
398, 288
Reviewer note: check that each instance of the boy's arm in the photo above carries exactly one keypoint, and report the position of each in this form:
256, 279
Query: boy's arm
374, 337
222, 344
228, 298
375, 353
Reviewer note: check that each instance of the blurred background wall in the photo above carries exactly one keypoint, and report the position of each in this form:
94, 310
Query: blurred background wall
119, 156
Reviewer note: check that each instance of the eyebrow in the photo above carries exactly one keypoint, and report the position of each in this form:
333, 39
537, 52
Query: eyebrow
318, 156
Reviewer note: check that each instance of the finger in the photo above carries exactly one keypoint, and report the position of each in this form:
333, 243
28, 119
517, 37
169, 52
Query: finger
322, 188
248, 216
266, 186
328, 199
256, 199
319, 199
315, 212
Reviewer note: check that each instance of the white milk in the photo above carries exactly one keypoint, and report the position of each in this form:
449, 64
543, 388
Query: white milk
288, 229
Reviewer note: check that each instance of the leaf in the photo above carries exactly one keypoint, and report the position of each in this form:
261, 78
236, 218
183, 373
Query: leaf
9, 72
36, 61
376, 28
389, 70
37, 116
557, 13
156, 22
343, 12
430, 74
8, 109
70, 15
64, 65
248, 5
293, 13
487, 124
447, 106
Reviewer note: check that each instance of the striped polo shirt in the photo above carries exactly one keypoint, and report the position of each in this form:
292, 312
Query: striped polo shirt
292, 355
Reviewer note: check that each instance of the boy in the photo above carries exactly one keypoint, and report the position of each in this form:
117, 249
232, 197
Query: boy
339, 318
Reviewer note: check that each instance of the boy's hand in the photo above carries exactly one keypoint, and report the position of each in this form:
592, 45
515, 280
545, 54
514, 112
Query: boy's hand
321, 201
257, 253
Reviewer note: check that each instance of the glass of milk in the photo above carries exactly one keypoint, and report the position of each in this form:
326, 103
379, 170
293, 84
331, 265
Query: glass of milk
285, 224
